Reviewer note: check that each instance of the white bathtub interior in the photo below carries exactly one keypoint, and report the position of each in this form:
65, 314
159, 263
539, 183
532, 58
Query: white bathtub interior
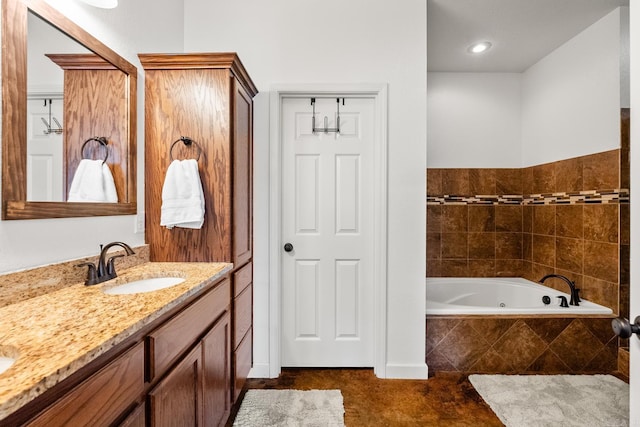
499, 295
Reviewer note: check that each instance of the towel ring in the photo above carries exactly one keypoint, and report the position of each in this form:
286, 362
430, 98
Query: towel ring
102, 140
187, 141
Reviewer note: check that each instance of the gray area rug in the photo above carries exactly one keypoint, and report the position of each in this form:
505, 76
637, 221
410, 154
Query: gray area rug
555, 400
321, 408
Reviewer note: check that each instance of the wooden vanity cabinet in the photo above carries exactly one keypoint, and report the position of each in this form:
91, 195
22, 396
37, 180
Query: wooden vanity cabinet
207, 97
176, 371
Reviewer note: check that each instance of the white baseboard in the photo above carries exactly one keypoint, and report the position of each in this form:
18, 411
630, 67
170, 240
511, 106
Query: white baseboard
407, 372
259, 370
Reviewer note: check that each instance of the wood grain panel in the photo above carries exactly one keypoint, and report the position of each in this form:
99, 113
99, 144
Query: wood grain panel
14, 101
40, 210
218, 60
177, 399
242, 177
96, 105
167, 343
103, 397
242, 358
193, 103
216, 372
242, 278
242, 314
137, 418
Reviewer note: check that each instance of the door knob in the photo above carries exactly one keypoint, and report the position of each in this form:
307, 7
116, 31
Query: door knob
288, 247
624, 329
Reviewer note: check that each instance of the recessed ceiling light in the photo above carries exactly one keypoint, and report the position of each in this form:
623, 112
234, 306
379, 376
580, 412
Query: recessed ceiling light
105, 4
479, 47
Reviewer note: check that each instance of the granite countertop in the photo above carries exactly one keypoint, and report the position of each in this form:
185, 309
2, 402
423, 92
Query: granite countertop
55, 334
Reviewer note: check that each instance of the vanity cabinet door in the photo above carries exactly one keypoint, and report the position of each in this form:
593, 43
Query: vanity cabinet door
177, 399
137, 418
168, 342
216, 372
102, 398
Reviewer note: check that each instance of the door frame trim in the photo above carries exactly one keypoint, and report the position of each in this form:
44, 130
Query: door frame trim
379, 93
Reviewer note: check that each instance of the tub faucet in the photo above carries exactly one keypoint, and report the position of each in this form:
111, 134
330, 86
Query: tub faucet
106, 269
575, 298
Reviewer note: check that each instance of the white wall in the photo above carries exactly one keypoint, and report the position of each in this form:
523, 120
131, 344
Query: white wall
333, 41
571, 98
127, 30
566, 105
474, 120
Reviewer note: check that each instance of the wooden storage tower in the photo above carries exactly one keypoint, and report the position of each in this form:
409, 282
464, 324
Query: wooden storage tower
208, 98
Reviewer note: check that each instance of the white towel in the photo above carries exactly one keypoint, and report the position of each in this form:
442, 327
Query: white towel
93, 182
182, 196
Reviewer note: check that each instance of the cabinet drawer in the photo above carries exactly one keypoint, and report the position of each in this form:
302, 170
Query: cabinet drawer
242, 314
169, 341
102, 398
242, 278
242, 358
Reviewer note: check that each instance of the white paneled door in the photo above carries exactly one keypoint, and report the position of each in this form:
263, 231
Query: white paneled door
327, 222
44, 151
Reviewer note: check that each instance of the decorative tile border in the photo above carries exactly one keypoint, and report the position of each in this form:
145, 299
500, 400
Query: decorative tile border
616, 196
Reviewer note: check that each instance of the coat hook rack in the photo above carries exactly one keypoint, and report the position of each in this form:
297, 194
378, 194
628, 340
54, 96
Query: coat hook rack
325, 129
49, 130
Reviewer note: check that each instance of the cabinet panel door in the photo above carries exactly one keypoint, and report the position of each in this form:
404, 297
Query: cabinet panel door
242, 177
101, 399
136, 419
242, 364
242, 311
177, 399
170, 340
216, 365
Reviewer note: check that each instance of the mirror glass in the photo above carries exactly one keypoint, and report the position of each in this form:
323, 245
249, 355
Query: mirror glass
45, 112
67, 97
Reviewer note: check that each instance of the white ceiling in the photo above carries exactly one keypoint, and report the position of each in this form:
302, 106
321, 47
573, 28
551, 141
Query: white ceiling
521, 31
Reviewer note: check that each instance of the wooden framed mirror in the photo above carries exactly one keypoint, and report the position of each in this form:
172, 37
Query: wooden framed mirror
112, 118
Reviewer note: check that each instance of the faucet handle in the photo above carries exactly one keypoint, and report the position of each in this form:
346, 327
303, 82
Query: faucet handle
92, 275
111, 267
563, 301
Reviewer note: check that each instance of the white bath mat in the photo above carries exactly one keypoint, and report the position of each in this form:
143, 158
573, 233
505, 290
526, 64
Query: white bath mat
312, 408
555, 400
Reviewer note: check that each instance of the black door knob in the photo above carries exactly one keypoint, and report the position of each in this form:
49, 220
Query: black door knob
624, 329
288, 247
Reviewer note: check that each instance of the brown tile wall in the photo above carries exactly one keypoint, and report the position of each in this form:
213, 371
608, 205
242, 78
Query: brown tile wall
587, 242
520, 345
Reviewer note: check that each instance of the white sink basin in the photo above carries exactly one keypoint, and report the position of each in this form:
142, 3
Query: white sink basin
8, 356
5, 363
143, 285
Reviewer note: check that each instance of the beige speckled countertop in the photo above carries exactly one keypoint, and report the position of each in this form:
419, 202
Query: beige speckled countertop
57, 333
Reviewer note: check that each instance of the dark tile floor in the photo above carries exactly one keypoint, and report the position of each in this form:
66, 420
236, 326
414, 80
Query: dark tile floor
443, 400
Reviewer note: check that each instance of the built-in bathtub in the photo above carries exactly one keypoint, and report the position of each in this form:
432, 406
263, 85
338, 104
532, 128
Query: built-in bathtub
502, 325
499, 296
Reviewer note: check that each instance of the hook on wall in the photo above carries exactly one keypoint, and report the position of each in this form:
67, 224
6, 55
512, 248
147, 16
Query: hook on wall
49, 129
325, 129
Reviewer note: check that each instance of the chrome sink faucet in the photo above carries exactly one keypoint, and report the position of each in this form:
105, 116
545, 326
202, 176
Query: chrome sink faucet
575, 298
106, 269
